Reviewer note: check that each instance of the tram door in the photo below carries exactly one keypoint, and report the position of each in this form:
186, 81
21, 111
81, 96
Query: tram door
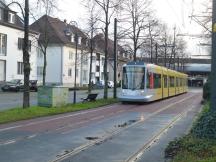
165, 86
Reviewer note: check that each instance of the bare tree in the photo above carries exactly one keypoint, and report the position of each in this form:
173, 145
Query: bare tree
27, 68
92, 27
135, 14
108, 7
46, 7
181, 52
26, 57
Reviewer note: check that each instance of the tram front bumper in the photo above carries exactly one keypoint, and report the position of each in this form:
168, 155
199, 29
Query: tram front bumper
128, 98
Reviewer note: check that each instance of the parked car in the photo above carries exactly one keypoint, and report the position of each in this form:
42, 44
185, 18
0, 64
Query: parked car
14, 85
33, 85
99, 84
110, 84
17, 85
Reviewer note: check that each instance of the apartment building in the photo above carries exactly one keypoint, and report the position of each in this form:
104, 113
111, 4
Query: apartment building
11, 44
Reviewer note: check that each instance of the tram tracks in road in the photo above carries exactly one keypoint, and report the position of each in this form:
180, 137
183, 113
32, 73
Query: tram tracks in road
137, 155
100, 140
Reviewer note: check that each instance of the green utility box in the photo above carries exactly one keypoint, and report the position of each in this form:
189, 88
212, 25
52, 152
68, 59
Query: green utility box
52, 96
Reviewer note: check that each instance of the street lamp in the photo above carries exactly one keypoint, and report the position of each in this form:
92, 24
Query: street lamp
75, 73
76, 42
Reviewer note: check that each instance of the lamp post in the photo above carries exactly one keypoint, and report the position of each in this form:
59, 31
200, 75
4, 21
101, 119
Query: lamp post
115, 59
74, 23
75, 73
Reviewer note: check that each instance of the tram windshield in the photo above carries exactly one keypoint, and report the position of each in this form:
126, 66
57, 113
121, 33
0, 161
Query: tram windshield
133, 78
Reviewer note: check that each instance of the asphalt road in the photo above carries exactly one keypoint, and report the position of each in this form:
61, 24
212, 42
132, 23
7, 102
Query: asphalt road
108, 134
12, 99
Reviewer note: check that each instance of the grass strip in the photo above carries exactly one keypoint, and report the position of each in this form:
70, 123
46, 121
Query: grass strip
17, 114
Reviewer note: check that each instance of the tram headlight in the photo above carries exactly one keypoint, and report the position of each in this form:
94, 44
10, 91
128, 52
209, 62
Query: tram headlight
123, 92
142, 92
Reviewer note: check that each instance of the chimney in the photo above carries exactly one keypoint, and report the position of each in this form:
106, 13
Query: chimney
65, 21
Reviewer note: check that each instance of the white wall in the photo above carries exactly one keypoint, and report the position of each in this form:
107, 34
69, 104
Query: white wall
15, 55
58, 64
54, 65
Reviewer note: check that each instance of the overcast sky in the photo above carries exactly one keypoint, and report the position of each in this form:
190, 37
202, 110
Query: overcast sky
173, 12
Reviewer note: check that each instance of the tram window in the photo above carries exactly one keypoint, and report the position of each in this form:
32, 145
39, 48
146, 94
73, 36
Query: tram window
178, 82
157, 81
172, 81
165, 81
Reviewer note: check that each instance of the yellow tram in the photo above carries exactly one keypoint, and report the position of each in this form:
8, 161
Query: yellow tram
148, 82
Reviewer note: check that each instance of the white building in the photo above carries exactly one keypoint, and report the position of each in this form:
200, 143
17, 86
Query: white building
61, 54
11, 42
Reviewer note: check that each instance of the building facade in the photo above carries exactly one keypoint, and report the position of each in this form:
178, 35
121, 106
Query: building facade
11, 44
61, 54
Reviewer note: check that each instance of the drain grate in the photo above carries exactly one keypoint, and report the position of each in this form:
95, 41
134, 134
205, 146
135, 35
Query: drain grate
92, 138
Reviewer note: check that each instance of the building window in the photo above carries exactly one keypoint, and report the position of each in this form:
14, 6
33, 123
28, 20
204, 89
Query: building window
97, 68
92, 75
11, 18
102, 76
21, 43
70, 55
39, 70
85, 75
3, 44
20, 68
1, 14
98, 56
93, 59
69, 72
103, 61
85, 59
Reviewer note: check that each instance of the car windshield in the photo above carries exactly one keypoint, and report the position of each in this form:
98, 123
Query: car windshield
133, 78
14, 81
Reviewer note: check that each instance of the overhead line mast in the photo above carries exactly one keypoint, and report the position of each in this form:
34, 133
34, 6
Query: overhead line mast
213, 67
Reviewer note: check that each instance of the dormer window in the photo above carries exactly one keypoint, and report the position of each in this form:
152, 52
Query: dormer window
72, 38
11, 18
79, 40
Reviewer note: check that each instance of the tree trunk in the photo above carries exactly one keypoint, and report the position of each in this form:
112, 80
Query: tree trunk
90, 70
26, 96
106, 58
44, 67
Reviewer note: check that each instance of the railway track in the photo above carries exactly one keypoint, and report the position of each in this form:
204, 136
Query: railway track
137, 154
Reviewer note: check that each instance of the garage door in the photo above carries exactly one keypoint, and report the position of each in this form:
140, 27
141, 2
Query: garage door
2, 70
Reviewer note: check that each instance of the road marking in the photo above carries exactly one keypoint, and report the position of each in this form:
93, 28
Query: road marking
108, 136
8, 142
11, 141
